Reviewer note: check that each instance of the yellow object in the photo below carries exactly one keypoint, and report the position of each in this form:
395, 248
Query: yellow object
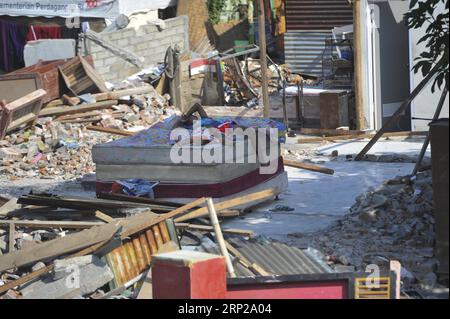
373, 288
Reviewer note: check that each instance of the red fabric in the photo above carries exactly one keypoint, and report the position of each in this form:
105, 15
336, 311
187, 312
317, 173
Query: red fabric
44, 32
219, 190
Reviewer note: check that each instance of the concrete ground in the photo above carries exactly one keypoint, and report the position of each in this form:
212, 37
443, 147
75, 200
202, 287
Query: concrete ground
316, 199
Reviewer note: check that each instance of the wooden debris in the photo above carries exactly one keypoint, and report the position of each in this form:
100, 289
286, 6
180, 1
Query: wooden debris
12, 237
361, 136
201, 212
219, 236
83, 108
245, 262
23, 111
110, 130
205, 228
37, 224
330, 132
309, 167
72, 101
103, 217
80, 77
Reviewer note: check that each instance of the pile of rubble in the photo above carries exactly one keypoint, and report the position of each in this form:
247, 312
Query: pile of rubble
392, 222
59, 143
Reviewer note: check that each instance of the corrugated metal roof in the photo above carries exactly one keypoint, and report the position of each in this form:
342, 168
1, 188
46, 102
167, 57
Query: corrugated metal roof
304, 49
317, 14
275, 258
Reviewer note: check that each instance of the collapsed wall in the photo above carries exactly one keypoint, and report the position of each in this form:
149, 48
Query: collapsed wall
148, 41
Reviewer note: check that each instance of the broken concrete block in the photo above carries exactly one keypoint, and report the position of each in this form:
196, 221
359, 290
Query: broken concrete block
62, 267
10, 153
80, 281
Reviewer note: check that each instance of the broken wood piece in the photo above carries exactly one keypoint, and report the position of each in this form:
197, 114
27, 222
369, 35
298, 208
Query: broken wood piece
330, 132
23, 111
219, 236
231, 231
110, 130
83, 108
361, 136
245, 262
81, 78
58, 247
103, 217
201, 212
309, 167
116, 95
71, 100
38, 224
12, 237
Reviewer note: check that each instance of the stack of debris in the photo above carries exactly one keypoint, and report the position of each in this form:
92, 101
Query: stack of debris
56, 141
393, 222
59, 247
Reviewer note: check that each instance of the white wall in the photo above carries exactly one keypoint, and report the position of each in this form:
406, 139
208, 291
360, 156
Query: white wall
425, 104
128, 7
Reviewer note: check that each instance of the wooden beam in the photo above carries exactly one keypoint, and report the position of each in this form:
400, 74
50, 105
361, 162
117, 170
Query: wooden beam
358, 36
309, 167
103, 217
58, 247
39, 224
398, 113
361, 136
205, 228
202, 212
110, 131
330, 132
263, 57
12, 237
219, 236
83, 108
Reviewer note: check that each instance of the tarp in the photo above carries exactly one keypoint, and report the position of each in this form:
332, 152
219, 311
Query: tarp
79, 8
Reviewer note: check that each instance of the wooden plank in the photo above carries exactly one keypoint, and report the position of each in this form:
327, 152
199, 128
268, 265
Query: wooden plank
202, 212
103, 217
360, 136
12, 237
64, 110
38, 224
88, 238
330, 132
58, 247
205, 228
219, 236
110, 130
309, 167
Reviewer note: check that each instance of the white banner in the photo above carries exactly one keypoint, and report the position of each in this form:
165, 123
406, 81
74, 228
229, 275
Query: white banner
60, 8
